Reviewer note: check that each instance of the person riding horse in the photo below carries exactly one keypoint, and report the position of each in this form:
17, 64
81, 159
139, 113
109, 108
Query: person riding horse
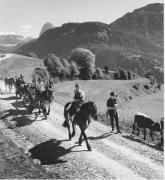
79, 97
73, 107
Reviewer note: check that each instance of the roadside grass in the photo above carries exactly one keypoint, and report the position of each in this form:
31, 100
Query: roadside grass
130, 100
15, 164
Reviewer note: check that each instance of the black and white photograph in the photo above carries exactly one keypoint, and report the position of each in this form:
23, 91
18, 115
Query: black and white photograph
82, 89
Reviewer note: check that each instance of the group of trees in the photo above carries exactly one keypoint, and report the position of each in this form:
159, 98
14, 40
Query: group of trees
81, 64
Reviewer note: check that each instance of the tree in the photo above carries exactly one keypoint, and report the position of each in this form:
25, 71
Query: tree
99, 74
74, 70
54, 65
106, 68
85, 59
123, 74
66, 70
130, 74
116, 74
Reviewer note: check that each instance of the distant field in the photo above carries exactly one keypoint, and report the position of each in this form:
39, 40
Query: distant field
129, 99
17, 64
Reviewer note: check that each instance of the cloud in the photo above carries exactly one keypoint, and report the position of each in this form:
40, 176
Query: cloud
7, 33
25, 28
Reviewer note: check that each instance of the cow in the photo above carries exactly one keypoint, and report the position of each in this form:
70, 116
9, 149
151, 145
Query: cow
162, 131
143, 121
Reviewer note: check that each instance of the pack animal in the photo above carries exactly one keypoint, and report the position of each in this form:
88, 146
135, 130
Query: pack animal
9, 82
144, 122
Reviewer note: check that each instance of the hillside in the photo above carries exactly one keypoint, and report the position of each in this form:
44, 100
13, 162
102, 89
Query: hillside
136, 38
18, 64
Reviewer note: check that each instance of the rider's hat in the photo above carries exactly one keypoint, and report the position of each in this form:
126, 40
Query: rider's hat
112, 94
76, 85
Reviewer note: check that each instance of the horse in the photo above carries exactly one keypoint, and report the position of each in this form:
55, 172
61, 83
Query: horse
82, 118
9, 82
41, 100
45, 102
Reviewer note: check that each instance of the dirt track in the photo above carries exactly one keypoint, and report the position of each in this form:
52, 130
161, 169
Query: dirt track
45, 142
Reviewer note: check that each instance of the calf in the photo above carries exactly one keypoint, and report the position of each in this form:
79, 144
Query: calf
144, 122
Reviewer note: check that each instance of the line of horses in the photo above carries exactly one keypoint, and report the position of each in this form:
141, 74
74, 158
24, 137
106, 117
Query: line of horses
30, 96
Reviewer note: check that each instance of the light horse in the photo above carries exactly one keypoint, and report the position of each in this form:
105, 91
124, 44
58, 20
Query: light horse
82, 118
9, 82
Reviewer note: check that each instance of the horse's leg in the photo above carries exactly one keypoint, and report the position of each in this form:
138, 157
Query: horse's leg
80, 139
69, 132
48, 110
39, 106
85, 138
73, 133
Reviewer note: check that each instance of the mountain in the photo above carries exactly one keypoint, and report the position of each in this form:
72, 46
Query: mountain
46, 27
134, 41
9, 40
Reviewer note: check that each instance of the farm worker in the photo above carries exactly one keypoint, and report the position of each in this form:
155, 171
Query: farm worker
49, 88
21, 79
33, 84
112, 111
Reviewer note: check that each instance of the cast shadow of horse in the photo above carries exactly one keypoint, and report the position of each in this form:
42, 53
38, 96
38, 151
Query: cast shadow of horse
19, 116
50, 152
132, 138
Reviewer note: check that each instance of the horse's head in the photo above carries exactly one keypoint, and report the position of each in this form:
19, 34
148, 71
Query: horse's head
93, 110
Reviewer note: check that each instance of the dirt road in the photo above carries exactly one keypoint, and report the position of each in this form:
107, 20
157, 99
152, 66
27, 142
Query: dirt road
45, 146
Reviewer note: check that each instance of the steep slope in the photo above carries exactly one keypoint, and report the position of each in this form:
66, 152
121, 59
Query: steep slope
139, 34
46, 27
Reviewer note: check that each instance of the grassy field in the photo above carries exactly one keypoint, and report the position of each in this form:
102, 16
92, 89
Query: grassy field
17, 65
129, 99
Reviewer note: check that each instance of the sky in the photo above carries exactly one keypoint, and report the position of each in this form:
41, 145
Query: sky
26, 17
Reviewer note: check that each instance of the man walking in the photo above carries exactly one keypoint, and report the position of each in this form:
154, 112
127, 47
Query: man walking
112, 111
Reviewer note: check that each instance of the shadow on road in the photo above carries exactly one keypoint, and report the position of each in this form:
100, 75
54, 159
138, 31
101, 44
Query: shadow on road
100, 137
154, 146
50, 152
9, 98
19, 116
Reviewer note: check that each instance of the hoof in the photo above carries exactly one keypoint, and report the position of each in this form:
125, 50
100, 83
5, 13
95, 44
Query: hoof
89, 149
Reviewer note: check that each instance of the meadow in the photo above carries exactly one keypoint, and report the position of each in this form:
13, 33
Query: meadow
130, 99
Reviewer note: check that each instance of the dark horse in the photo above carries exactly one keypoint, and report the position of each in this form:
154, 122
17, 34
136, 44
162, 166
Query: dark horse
82, 118
9, 82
